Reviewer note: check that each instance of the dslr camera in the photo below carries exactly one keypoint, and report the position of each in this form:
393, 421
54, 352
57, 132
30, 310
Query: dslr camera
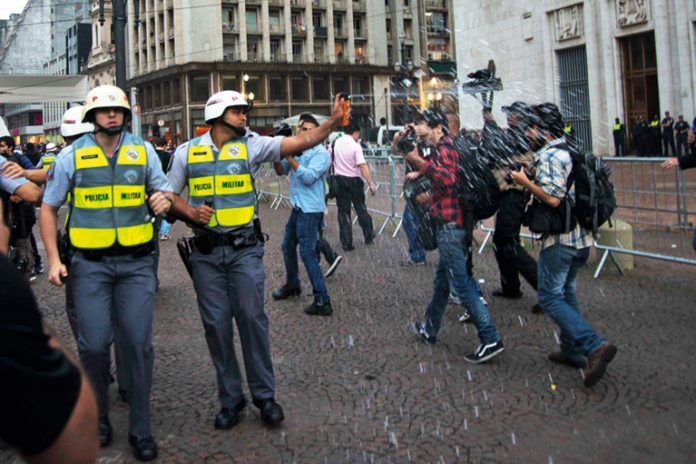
516, 166
407, 144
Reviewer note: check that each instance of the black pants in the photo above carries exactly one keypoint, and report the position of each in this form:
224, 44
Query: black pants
350, 192
619, 146
682, 145
324, 247
512, 258
668, 142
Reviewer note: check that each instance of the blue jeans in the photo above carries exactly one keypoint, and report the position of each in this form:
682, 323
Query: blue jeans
452, 244
164, 228
558, 269
303, 229
410, 222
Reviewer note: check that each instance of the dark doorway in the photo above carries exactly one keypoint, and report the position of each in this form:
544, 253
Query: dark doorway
639, 66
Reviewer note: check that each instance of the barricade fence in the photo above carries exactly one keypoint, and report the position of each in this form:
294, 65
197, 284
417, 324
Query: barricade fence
658, 204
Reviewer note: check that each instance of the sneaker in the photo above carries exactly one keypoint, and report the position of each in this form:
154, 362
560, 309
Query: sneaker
286, 292
334, 266
419, 329
409, 262
453, 299
164, 237
315, 309
571, 360
38, 268
597, 363
348, 248
465, 317
503, 294
485, 352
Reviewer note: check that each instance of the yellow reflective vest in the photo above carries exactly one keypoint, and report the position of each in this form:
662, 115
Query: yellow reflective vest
108, 203
47, 161
225, 184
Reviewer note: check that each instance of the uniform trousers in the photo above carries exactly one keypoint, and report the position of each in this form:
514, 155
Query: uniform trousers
229, 286
115, 296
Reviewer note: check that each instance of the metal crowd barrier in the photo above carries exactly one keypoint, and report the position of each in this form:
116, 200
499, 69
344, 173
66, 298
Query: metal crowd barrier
657, 203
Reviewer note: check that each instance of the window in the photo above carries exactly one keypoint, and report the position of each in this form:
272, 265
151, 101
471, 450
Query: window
199, 88
197, 118
166, 94
388, 26
297, 50
408, 28
300, 88
230, 83
251, 23
255, 85
253, 48
390, 54
340, 84
361, 88
436, 22
278, 88
316, 20
176, 91
357, 26
276, 50
274, 21
339, 50
320, 88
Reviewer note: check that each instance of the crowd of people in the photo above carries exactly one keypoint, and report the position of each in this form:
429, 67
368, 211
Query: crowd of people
121, 190
655, 137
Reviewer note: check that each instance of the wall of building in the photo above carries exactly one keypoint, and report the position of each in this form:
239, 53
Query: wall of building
524, 37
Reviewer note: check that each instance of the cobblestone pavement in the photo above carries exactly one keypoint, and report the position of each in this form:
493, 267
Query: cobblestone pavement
360, 387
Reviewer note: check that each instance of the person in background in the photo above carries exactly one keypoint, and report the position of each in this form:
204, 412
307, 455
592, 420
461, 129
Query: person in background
667, 126
687, 161
165, 155
619, 134
682, 129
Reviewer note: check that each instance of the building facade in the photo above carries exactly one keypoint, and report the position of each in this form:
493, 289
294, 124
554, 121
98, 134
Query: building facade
598, 60
101, 64
289, 56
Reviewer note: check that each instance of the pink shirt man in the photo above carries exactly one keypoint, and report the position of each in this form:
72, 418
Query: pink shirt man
348, 156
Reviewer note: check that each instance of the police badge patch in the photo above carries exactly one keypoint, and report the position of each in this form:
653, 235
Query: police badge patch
132, 154
131, 176
233, 150
234, 168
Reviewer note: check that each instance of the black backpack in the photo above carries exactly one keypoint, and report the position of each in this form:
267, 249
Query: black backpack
594, 193
479, 192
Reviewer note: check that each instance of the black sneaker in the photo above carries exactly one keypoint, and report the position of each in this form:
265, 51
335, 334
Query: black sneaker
38, 268
316, 309
348, 248
419, 329
485, 352
285, 292
500, 293
334, 266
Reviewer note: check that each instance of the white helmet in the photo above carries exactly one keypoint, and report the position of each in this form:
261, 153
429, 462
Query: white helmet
72, 124
219, 102
104, 96
50, 148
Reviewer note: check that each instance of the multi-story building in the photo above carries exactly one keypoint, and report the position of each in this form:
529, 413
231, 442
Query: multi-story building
36, 43
598, 60
101, 64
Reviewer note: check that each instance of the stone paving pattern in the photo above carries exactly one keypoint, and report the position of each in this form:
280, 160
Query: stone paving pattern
360, 387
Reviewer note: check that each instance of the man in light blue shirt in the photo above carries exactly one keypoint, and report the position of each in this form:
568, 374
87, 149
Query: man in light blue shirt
307, 193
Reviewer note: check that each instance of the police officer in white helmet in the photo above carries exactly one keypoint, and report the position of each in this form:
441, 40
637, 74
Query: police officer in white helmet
109, 175
227, 257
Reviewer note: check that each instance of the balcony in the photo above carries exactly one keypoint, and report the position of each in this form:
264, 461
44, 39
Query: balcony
229, 28
340, 5
340, 32
230, 55
253, 28
299, 30
253, 57
359, 34
437, 30
359, 5
438, 4
321, 31
320, 57
297, 3
277, 29
277, 58
319, 4
361, 59
276, 3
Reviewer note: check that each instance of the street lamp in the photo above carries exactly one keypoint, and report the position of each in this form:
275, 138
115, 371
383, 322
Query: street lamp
404, 69
245, 79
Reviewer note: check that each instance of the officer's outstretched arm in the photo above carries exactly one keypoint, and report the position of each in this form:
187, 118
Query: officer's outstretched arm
311, 138
49, 232
29, 192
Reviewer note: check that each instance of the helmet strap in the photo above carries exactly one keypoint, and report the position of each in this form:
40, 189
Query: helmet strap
237, 131
111, 131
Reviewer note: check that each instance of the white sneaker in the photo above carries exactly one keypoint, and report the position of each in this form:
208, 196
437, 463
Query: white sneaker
334, 266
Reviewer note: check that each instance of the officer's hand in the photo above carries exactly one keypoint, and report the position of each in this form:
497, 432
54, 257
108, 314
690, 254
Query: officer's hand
202, 214
670, 163
12, 170
159, 203
57, 274
520, 178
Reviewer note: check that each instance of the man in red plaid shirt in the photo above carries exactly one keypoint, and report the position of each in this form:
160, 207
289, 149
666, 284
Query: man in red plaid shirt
452, 237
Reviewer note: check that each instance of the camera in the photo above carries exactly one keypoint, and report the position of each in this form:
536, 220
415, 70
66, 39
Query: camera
516, 166
407, 144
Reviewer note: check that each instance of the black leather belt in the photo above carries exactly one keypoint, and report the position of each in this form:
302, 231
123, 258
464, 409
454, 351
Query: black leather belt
206, 242
118, 250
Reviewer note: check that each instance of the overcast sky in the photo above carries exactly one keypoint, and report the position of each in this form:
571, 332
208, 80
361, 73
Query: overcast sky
7, 7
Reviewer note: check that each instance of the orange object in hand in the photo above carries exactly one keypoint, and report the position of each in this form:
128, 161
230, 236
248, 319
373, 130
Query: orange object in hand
346, 109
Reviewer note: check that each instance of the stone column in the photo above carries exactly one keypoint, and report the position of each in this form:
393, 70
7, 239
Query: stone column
593, 43
665, 71
241, 20
684, 61
266, 32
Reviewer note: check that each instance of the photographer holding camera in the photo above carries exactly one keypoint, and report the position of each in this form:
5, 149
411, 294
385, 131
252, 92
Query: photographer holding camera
562, 254
509, 149
449, 218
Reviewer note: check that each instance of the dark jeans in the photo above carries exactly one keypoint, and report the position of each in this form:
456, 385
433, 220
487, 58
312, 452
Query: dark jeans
452, 246
668, 142
351, 192
410, 223
324, 247
619, 146
512, 258
558, 270
303, 229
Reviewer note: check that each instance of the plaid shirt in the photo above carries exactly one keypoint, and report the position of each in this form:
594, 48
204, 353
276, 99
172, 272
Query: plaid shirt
441, 169
553, 166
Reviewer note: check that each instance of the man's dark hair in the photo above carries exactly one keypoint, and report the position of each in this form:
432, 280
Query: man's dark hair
161, 142
351, 129
549, 117
9, 141
308, 117
382, 121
